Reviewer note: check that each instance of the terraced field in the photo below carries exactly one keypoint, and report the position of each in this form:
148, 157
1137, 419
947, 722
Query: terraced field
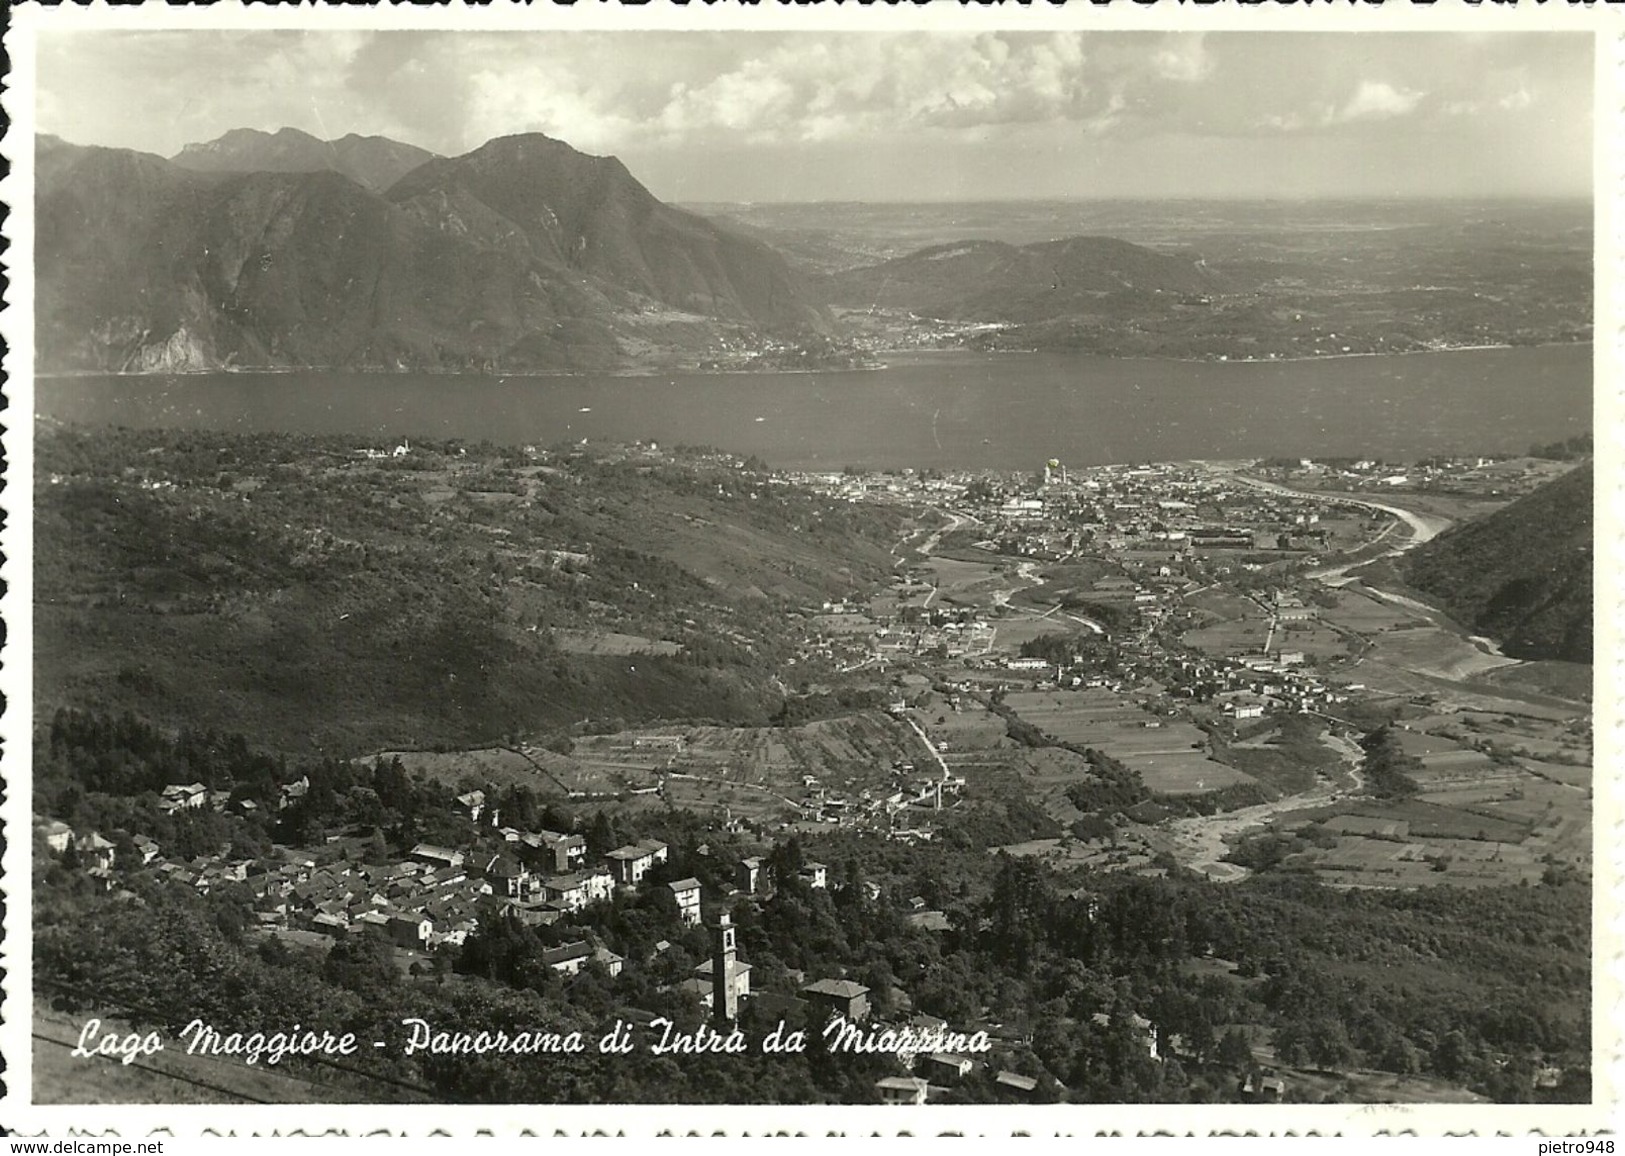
759, 768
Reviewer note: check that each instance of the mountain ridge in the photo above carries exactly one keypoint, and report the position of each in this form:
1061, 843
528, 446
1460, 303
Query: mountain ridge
374, 162
146, 265
1522, 574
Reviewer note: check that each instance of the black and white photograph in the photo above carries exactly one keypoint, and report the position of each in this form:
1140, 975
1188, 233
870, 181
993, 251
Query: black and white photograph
1046, 568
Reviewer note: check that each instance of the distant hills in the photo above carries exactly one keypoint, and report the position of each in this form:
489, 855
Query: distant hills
1521, 575
994, 281
373, 162
521, 255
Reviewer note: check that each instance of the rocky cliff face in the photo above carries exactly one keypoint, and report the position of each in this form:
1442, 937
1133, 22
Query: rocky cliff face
524, 255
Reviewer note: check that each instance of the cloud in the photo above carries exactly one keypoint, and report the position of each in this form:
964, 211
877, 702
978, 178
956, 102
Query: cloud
788, 89
848, 102
854, 86
1518, 98
1377, 100
1184, 58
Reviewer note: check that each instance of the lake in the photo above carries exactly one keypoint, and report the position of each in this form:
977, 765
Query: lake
955, 409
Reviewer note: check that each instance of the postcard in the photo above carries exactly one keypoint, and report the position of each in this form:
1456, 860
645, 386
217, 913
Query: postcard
874, 570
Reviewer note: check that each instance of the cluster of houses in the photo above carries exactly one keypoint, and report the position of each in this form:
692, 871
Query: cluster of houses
422, 902
887, 808
433, 896
894, 625
1249, 686
178, 797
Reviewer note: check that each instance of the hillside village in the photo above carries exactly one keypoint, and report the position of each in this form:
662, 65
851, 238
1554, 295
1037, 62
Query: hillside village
427, 905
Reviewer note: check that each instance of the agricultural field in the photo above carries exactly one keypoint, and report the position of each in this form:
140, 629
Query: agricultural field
845, 753
1288, 757
1564, 833
1313, 641
1431, 821
1229, 639
1344, 530
1492, 829
1171, 756
1223, 603
1366, 615
971, 727
1361, 862
1180, 772
1456, 764
1421, 745
1553, 740
1081, 716
502, 766
1044, 773
1429, 650
952, 576
742, 801
843, 625
1569, 776
1563, 680
1012, 632
763, 766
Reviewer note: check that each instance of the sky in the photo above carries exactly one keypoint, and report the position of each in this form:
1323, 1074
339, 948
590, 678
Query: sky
868, 116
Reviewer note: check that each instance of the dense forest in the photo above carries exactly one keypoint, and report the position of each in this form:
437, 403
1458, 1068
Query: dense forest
1521, 575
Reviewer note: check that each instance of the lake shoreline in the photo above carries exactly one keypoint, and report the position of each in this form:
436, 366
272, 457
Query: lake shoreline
642, 373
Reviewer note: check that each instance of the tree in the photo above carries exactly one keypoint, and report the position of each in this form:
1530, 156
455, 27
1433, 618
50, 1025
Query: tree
361, 963
784, 863
602, 837
1235, 1052
1291, 1045
1453, 1055
1327, 1042
1399, 1055
880, 981
377, 848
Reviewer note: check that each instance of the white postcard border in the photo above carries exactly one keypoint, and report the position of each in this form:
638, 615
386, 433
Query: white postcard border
18, 1114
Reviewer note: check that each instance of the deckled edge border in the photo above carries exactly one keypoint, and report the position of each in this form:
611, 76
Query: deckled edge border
20, 1116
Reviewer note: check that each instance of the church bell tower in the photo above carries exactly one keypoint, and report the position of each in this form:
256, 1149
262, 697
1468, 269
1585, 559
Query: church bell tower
724, 991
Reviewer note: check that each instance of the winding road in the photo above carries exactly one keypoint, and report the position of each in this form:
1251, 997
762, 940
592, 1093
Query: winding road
930, 746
